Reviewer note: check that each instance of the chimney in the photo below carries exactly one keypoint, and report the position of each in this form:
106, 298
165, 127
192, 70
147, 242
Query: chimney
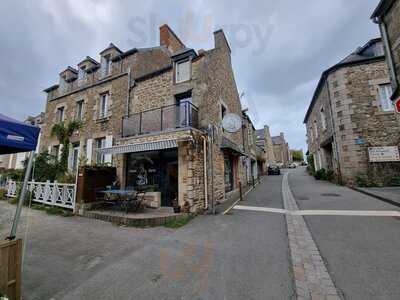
220, 40
169, 39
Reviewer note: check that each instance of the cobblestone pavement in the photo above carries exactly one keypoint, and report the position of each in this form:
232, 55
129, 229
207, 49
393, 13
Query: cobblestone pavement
312, 279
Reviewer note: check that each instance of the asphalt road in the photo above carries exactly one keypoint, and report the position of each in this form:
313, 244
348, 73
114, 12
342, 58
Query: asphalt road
361, 253
243, 255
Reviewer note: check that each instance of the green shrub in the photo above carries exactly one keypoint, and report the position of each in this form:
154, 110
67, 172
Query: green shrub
330, 175
310, 164
320, 174
395, 181
66, 178
3, 193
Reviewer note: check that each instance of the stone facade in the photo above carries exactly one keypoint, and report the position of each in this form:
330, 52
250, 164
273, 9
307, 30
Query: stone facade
387, 15
281, 150
346, 117
142, 87
264, 141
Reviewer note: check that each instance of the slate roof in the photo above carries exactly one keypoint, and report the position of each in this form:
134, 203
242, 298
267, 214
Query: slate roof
364, 54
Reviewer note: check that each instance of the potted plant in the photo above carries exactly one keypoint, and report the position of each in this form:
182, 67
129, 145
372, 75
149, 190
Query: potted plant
177, 208
186, 207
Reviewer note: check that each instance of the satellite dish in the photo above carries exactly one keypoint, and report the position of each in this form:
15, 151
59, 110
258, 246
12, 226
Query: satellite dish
231, 123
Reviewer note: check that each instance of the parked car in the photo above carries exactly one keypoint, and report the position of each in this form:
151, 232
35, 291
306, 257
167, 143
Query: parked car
274, 170
292, 166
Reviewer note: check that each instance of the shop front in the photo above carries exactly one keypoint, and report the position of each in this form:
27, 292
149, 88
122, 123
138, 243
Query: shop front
154, 171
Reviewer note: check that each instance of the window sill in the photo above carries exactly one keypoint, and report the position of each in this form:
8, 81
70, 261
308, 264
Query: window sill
383, 112
183, 81
103, 119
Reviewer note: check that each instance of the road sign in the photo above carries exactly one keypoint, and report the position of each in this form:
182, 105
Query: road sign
384, 154
397, 105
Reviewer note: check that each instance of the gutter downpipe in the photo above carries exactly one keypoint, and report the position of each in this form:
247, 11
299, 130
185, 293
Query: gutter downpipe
205, 172
334, 131
128, 98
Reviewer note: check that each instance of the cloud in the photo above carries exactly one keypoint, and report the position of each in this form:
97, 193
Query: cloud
280, 48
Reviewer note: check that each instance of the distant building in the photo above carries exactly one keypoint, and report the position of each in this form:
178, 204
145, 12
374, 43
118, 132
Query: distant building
350, 113
264, 142
387, 15
281, 150
16, 161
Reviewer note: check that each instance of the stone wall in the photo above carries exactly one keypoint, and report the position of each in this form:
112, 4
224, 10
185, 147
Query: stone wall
352, 94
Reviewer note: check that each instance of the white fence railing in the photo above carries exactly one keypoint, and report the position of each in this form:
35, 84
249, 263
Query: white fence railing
57, 194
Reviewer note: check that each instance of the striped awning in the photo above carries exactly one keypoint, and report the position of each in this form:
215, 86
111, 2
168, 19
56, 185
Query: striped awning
149, 146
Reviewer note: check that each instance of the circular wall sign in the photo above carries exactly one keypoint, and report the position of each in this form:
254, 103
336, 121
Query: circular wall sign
231, 123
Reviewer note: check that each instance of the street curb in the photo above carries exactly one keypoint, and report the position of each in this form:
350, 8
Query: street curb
244, 195
376, 196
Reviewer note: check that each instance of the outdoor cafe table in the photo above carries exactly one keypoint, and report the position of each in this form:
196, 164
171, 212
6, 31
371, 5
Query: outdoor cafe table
123, 196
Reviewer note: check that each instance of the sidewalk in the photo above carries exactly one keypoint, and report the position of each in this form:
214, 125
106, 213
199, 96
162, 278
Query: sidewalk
387, 194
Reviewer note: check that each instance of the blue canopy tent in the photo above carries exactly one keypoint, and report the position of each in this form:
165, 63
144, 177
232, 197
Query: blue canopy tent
16, 136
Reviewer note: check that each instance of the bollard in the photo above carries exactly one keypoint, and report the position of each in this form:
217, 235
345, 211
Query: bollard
240, 191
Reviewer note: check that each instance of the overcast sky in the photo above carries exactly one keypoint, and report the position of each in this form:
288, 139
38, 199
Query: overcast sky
279, 48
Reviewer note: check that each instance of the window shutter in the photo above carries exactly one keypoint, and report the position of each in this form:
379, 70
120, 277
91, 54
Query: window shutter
70, 158
109, 143
89, 149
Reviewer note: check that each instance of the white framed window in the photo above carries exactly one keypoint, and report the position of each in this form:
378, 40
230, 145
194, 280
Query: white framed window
79, 110
73, 157
182, 71
103, 105
60, 114
100, 143
323, 118
82, 75
106, 64
385, 91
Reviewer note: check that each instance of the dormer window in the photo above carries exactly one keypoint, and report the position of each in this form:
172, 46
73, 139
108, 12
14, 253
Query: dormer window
106, 65
182, 71
82, 75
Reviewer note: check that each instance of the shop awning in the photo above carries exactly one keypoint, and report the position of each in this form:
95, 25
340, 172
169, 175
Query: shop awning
228, 145
149, 146
16, 136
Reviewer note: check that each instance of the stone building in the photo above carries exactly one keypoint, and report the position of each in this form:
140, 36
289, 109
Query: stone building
350, 114
16, 161
281, 150
155, 113
264, 141
387, 15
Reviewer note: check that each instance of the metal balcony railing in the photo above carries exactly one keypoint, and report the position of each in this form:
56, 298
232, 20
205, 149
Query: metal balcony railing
181, 115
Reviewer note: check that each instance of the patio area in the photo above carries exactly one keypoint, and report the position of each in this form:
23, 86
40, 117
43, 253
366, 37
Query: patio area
149, 217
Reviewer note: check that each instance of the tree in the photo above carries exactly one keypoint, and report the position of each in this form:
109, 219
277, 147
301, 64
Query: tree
63, 133
297, 155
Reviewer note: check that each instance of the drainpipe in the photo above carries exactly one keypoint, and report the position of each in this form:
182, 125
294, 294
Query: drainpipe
205, 172
128, 95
